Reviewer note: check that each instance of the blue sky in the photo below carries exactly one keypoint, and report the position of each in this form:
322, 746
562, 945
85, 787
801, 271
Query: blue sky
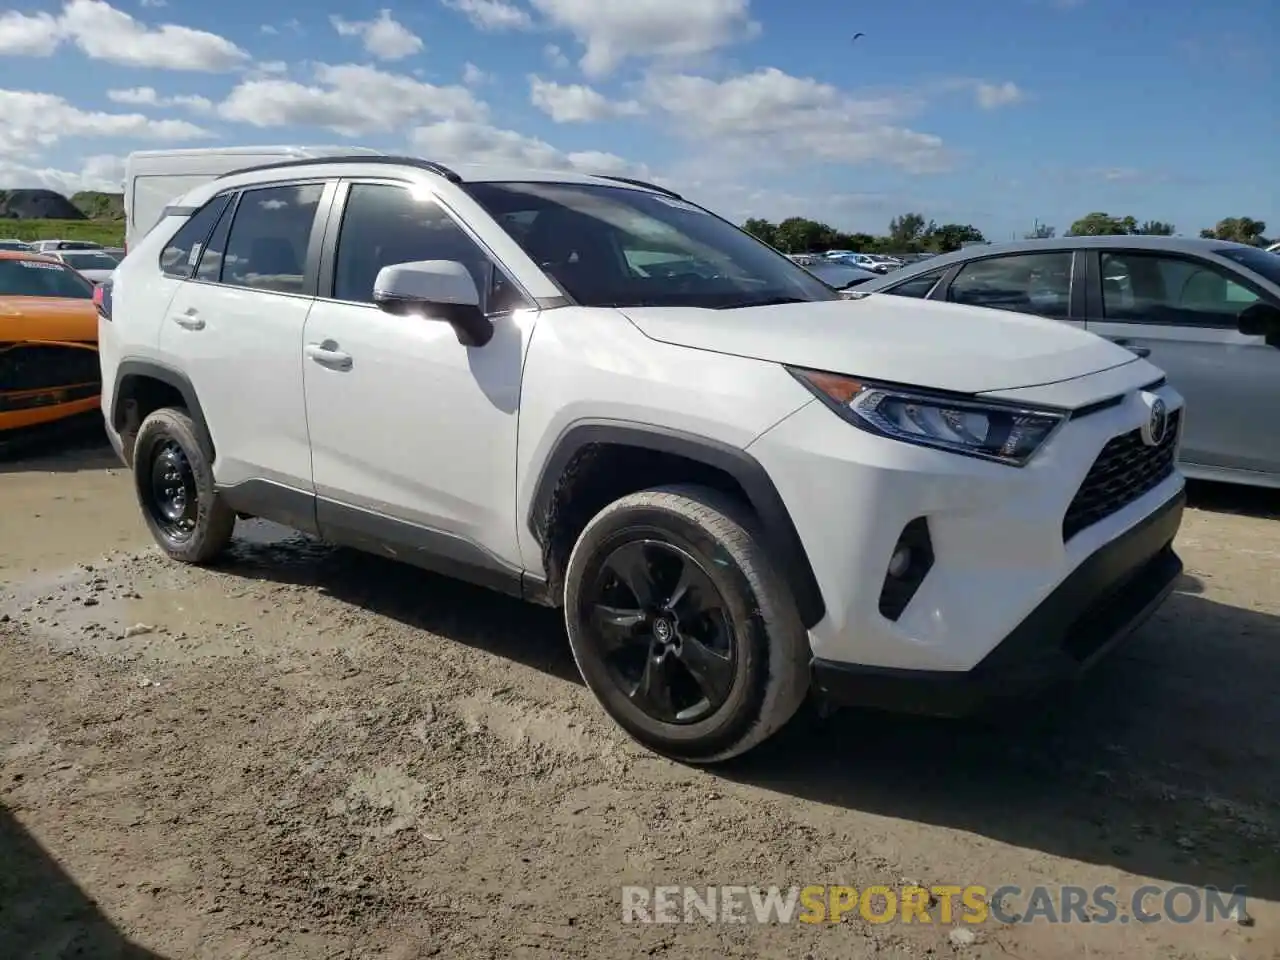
991, 112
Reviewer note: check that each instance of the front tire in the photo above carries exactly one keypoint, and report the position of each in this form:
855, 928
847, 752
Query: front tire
174, 482
681, 626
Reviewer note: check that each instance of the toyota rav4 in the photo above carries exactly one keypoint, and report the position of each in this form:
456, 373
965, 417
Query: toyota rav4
594, 394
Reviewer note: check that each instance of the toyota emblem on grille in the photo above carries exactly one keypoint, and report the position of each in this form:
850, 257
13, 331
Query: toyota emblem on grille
1157, 425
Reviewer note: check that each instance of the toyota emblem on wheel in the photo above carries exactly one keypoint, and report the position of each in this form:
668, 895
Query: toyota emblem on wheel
1157, 425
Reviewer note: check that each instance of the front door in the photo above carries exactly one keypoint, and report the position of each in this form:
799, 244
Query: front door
413, 434
1186, 312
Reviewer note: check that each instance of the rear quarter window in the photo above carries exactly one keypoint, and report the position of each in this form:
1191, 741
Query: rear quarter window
180, 255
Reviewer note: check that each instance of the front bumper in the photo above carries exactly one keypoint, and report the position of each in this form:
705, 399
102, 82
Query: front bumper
1103, 601
995, 542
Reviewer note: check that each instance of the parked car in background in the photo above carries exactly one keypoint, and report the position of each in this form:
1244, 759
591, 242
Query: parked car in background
1207, 312
48, 343
115, 252
94, 265
863, 261
20, 246
53, 246
1274, 248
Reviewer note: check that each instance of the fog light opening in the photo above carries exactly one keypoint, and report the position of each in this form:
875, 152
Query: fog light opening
908, 565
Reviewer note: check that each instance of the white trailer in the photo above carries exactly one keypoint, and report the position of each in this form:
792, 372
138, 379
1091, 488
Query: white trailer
155, 178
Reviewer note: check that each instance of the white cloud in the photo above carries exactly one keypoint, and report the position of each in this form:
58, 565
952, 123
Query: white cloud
106, 33
100, 172
493, 14
555, 56
348, 99
271, 67
612, 31
456, 141
37, 35
473, 76
268, 29
993, 95
29, 121
577, 103
153, 3
769, 116
383, 37
148, 97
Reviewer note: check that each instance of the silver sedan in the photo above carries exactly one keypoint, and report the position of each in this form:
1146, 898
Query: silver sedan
1207, 312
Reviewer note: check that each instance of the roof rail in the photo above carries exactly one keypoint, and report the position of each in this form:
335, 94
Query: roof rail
642, 183
428, 165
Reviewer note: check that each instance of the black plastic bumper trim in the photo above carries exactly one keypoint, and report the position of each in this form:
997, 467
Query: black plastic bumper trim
1103, 601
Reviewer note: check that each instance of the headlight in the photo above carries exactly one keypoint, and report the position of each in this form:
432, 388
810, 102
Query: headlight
1005, 433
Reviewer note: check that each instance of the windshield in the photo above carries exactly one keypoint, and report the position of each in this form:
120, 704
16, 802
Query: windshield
1259, 261
36, 278
89, 261
618, 247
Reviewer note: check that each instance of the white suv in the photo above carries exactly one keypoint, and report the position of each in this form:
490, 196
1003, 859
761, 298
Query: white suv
592, 393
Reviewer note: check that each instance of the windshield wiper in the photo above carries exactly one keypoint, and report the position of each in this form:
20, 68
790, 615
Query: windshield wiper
766, 302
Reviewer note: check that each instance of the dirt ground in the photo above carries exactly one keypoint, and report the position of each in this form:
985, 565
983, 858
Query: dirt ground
311, 753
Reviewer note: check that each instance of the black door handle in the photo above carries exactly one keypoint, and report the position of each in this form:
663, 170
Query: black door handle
1128, 345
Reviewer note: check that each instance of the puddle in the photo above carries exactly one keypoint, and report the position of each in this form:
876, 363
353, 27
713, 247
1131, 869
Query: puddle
260, 599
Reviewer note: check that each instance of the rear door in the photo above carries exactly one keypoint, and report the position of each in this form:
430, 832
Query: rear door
1185, 310
235, 326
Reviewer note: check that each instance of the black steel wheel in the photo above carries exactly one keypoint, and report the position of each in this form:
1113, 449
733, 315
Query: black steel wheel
680, 625
174, 481
172, 497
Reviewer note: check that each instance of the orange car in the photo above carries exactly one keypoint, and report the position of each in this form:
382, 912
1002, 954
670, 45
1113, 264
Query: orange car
48, 343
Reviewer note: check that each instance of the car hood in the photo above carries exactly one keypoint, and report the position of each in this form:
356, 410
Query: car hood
944, 346
47, 318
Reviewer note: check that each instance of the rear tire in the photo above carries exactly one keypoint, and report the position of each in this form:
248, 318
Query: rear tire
682, 627
173, 479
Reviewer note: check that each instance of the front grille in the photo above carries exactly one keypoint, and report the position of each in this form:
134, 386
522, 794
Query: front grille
43, 366
1125, 470
12, 402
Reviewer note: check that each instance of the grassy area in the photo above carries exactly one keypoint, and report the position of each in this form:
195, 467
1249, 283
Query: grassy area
109, 233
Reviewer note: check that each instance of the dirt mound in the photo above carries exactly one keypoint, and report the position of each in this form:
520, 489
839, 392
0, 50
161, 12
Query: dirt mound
37, 205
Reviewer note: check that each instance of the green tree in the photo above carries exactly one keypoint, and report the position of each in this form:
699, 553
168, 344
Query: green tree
764, 230
1102, 225
908, 231
951, 236
1156, 228
801, 235
1237, 230
1041, 231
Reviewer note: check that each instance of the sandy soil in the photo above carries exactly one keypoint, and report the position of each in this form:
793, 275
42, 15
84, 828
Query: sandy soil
311, 753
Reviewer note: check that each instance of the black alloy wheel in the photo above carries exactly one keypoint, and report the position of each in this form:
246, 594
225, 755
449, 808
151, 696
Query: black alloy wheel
682, 627
663, 631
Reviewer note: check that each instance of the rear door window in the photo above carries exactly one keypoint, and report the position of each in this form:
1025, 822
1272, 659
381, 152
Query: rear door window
269, 238
918, 287
1038, 283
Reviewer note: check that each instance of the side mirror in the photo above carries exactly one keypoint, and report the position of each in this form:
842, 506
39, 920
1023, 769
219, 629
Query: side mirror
1260, 320
435, 290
